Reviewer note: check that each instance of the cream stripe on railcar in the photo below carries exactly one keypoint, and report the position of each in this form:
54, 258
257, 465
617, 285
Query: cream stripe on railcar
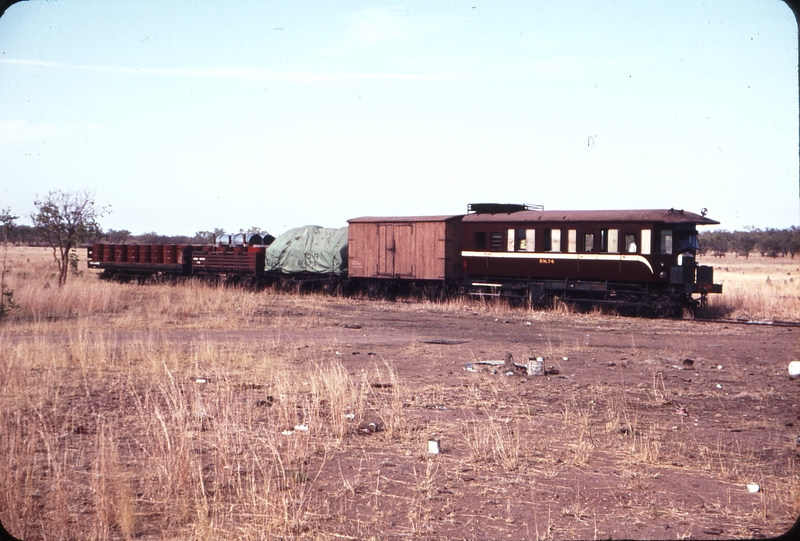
559, 255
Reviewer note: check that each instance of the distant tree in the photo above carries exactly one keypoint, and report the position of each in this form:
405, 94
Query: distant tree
66, 220
743, 242
24, 234
205, 237
6, 295
117, 237
716, 242
151, 237
794, 240
256, 231
178, 239
774, 242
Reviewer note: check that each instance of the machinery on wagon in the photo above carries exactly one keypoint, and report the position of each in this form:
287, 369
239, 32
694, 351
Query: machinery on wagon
636, 259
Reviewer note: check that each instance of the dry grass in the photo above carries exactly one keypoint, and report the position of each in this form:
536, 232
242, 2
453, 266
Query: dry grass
205, 442
756, 288
152, 438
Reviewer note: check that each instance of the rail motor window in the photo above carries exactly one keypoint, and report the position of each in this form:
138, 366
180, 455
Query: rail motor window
646, 234
552, 240
613, 240
480, 240
666, 241
588, 242
572, 240
630, 243
521, 240
689, 243
609, 240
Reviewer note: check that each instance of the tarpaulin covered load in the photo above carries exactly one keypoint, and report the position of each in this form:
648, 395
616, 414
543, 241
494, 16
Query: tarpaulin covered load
311, 248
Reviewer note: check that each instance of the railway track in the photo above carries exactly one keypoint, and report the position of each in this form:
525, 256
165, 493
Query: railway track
744, 321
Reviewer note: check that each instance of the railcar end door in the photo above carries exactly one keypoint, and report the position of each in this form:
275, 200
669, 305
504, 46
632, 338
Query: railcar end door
404, 250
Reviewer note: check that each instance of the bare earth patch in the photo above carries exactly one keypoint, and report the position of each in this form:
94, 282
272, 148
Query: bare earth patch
312, 420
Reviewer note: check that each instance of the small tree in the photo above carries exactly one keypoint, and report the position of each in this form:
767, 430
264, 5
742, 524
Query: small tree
66, 220
6, 294
744, 241
794, 241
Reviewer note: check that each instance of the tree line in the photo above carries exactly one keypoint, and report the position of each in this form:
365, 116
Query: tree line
27, 235
766, 242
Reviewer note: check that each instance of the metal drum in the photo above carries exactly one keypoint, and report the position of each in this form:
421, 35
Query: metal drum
157, 253
170, 254
133, 253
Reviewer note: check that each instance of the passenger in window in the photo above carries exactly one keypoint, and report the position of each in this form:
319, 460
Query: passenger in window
522, 240
630, 243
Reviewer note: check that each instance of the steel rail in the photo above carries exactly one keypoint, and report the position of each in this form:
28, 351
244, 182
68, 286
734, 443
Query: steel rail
744, 321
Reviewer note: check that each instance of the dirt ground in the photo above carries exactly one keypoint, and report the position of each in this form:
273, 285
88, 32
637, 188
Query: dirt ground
622, 438
639, 428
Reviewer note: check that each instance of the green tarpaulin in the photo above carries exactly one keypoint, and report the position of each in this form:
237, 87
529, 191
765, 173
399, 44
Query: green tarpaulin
314, 249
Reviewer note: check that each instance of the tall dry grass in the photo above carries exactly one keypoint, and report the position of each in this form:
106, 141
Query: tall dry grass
87, 300
105, 440
757, 287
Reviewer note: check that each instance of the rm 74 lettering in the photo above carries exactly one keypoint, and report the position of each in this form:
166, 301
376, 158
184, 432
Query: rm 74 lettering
548, 261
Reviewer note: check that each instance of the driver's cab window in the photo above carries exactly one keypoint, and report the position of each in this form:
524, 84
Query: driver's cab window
666, 241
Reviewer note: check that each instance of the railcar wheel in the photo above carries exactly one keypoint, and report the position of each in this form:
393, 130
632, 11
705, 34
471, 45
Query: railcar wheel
689, 307
332, 287
376, 289
251, 283
233, 281
537, 296
433, 292
663, 307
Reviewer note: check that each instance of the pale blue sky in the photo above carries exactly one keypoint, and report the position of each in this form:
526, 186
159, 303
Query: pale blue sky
187, 117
